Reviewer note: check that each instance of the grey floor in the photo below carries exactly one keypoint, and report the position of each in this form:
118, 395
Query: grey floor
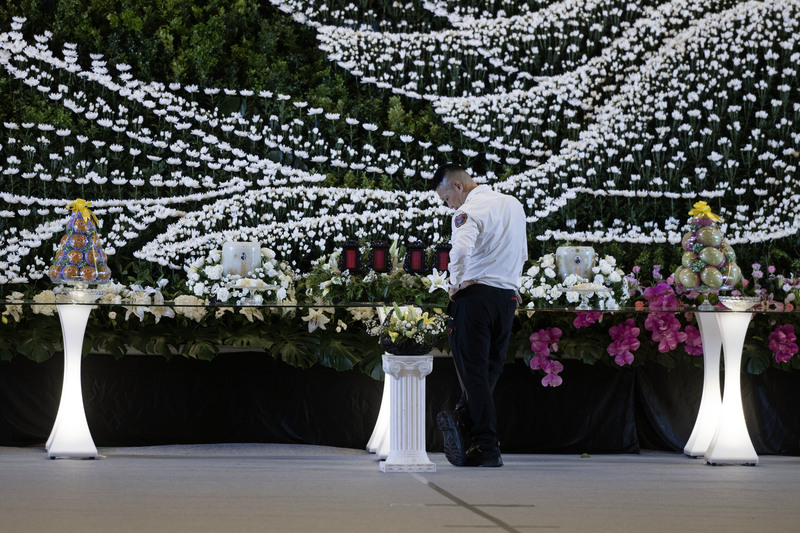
286, 488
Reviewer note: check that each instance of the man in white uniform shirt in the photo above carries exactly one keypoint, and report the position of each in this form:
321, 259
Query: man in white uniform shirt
489, 248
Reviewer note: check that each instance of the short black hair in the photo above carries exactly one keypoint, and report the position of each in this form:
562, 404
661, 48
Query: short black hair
442, 172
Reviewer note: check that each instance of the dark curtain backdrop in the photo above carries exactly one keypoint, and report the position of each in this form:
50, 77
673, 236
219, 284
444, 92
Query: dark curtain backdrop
248, 397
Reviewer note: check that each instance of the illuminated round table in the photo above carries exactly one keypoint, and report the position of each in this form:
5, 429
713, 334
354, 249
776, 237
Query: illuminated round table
70, 436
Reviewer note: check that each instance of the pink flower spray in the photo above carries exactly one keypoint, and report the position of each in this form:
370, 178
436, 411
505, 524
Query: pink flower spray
543, 342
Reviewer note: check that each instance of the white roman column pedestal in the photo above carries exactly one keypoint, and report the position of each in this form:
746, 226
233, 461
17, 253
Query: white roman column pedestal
407, 413
711, 401
70, 436
731, 443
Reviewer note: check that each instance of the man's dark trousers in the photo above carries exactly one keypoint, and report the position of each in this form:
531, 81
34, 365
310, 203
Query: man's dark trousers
479, 329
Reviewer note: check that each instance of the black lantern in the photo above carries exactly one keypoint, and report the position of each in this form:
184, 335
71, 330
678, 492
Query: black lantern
441, 256
380, 260
416, 261
351, 257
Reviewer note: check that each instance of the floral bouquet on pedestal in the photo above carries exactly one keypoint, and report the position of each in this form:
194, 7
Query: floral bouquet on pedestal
407, 330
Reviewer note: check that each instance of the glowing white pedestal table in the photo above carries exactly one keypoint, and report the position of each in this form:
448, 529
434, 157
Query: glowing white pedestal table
407, 413
711, 400
70, 436
379, 440
720, 433
731, 443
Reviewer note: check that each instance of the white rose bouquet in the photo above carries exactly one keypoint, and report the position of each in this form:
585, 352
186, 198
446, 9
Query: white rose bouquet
542, 287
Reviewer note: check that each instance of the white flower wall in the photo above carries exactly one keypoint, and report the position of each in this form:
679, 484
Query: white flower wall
607, 118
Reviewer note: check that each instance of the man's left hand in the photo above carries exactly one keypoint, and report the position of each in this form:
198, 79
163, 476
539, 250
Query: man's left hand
452, 292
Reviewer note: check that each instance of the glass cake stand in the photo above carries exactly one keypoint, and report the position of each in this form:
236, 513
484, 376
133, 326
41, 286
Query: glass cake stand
705, 291
252, 288
587, 293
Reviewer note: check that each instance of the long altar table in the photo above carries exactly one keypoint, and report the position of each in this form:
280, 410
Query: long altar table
720, 433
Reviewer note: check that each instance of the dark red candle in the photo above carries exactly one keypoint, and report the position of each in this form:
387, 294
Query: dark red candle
444, 260
379, 260
350, 259
416, 259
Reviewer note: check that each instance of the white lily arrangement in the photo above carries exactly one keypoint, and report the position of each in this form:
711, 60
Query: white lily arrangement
411, 323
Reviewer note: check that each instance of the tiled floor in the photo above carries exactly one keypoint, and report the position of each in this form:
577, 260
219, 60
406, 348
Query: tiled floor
285, 488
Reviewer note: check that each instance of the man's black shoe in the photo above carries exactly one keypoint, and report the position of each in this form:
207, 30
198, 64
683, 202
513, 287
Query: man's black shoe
454, 448
478, 457
464, 420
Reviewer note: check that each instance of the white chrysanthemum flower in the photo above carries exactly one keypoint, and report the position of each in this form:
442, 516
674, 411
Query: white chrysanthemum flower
223, 294
199, 289
190, 307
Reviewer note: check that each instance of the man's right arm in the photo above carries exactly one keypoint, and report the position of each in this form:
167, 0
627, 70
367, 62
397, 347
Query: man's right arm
463, 243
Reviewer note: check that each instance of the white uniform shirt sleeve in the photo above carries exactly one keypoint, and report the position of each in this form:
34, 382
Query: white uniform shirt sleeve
463, 241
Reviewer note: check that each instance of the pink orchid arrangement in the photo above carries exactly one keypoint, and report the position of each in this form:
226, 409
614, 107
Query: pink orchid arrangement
587, 318
666, 330
551, 374
633, 280
657, 273
661, 296
694, 343
624, 341
543, 342
782, 342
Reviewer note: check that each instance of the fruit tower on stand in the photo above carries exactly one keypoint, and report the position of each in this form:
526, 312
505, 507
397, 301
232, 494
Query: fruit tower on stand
79, 259
708, 263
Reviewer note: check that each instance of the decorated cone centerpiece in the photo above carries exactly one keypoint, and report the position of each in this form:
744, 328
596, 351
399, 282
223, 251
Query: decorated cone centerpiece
708, 263
79, 259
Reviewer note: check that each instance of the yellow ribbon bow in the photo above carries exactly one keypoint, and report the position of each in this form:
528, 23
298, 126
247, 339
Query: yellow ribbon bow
703, 210
82, 206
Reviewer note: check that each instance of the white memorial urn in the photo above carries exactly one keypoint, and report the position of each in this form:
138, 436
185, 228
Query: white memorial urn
239, 258
577, 260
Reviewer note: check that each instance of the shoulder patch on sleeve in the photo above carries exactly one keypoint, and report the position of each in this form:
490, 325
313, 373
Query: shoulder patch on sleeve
460, 219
